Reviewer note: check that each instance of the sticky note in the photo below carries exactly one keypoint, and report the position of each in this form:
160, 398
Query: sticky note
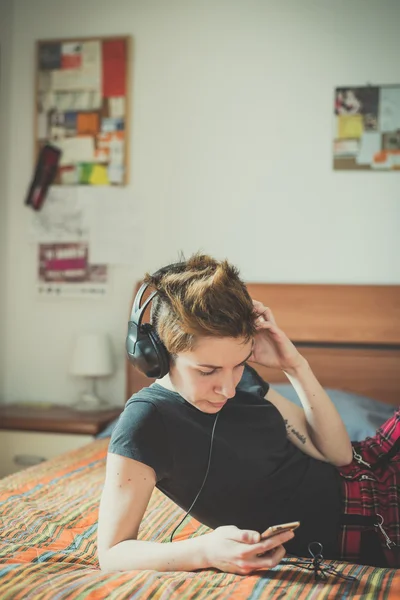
85, 171
88, 123
350, 126
99, 175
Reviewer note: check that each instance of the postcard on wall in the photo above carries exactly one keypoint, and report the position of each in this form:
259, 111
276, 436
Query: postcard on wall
64, 270
82, 93
64, 217
367, 128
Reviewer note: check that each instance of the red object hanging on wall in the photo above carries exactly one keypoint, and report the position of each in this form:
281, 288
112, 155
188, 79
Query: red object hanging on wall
45, 172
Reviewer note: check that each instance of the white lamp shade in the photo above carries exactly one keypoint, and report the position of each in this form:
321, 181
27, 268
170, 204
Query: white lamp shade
92, 356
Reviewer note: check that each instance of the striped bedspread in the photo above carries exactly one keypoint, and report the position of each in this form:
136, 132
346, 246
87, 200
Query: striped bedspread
48, 520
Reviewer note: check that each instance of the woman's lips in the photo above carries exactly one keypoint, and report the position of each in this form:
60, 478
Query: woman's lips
218, 404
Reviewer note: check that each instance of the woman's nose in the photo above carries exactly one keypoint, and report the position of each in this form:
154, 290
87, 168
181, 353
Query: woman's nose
227, 387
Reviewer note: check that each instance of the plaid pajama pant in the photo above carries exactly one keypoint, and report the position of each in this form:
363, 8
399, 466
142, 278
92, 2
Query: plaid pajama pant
370, 525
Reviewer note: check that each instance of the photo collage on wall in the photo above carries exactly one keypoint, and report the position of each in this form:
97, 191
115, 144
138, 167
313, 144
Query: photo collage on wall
82, 108
367, 128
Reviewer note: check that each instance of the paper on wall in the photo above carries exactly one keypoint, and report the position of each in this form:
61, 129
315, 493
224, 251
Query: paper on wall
78, 100
116, 173
71, 55
66, 79
69, 175
370, 144
64, 270
382, 161
396, 161
345, 148
350, 126
99, 175
76, 149
116, 155
64, 217
389, 109
117, 107
46, 101
76, 79
91, 56
114, 227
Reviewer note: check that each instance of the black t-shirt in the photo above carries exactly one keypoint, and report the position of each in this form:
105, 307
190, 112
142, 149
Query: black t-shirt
257, 477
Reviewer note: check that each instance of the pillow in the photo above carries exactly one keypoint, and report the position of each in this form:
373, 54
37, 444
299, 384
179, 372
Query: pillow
361, 415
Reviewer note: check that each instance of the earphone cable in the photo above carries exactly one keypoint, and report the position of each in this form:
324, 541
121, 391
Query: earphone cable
204, 480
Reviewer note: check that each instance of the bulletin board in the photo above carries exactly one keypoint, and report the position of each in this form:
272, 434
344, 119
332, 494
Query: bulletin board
367, 128
82, 107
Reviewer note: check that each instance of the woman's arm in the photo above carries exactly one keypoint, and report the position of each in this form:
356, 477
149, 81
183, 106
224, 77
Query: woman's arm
317, 428
126, 493
128, 487
320, 420
324, 423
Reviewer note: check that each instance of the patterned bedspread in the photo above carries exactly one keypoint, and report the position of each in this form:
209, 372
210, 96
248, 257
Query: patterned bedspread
48, 521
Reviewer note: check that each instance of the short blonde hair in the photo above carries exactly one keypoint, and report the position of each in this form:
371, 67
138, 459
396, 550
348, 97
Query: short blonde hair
198, 297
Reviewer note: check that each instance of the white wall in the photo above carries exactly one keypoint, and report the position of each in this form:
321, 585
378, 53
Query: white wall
231, 154
6, 27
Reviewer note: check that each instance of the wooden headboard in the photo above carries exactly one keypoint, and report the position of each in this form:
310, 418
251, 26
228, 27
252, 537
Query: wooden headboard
350, 334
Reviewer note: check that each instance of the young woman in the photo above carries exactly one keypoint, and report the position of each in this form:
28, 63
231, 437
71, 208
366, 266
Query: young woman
267, 460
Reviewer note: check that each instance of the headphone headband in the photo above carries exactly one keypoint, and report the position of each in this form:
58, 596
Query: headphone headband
136, 308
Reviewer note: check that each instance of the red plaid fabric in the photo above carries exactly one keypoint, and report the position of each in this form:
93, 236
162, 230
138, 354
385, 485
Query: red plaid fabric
371, 488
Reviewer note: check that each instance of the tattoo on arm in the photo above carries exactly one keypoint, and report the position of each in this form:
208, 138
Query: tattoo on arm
291, 430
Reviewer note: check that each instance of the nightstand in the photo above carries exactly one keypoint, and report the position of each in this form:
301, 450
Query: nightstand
30, 434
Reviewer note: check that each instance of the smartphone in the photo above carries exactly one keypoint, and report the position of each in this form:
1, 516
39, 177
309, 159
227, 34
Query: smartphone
275, 529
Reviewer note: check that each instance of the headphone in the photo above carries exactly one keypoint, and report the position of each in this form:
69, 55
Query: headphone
143, 346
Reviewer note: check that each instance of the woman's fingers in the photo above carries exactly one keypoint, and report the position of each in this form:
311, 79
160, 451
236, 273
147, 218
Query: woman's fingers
271, 559
267, 560
263, 311
268, 545
270, 315
266, 325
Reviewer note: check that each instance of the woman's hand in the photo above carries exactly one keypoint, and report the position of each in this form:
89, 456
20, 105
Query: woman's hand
234, 550
272, 347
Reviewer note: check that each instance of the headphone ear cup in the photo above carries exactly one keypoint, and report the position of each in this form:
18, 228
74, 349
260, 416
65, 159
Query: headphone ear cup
146, 351
162, 352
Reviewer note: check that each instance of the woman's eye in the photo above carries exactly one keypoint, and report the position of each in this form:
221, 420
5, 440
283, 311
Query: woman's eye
205, 373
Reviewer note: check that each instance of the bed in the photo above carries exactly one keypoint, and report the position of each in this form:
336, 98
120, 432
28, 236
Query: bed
48, 513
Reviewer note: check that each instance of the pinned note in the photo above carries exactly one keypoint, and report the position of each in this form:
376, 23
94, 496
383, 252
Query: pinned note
350, 126
88, 123
389, 109
99, 175
117, 107
345, 148
85, 172
370, 144
76, 149
382, 160
116, 173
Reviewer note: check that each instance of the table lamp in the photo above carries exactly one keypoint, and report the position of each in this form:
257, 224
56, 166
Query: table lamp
92, 358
